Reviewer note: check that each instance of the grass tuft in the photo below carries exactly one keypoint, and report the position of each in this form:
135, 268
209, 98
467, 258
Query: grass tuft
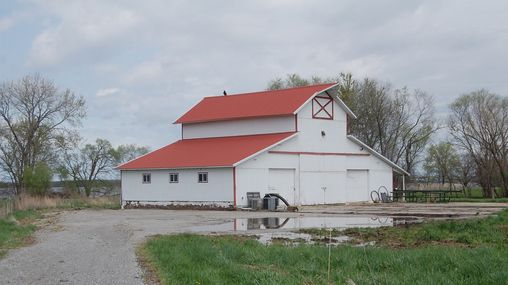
16, 230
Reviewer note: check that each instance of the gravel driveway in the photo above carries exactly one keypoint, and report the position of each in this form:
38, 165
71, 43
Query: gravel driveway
98, 246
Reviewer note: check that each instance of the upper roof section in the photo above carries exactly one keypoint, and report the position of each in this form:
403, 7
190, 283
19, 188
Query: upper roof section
206, 152
257, 104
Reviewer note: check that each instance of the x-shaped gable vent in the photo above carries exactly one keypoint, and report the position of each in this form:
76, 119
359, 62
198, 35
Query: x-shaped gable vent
322, 107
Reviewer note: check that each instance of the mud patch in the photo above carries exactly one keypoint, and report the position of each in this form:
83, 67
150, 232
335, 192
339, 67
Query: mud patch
294, 238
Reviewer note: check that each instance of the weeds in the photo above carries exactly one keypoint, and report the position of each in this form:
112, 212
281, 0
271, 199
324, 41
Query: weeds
17, 229
27, 202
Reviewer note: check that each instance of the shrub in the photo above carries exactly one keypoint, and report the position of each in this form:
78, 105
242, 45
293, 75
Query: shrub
38, 179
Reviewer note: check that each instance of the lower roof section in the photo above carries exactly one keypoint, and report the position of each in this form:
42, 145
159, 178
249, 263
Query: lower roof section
394, 166
206, 152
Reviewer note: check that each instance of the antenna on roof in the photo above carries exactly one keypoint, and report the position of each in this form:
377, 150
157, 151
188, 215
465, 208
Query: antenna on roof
225, 93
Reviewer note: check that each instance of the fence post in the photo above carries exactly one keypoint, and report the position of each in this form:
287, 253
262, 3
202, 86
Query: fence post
6, 207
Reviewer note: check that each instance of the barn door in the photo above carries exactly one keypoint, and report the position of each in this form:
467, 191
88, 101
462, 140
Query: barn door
357, 185
282, 182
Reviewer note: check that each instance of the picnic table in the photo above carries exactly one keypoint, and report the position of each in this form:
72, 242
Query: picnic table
424, 196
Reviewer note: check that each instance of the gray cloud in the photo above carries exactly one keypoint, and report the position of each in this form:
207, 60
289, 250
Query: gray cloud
161, 57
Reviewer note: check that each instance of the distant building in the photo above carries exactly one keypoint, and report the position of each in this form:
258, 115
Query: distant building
293, 142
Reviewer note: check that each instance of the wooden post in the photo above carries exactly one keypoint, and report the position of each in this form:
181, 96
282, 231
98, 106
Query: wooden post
403, 187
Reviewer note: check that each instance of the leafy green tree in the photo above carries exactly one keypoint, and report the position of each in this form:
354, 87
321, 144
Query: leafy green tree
295, 80
443, 163
38, 179
124, 153
347, 88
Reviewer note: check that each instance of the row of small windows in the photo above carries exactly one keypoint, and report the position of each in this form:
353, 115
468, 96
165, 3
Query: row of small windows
174, 177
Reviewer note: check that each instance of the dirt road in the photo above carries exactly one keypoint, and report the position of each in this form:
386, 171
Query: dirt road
98, 246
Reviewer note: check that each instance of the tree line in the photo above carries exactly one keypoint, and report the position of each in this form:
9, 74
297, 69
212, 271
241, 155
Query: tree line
39, 139
400, 124
39, 134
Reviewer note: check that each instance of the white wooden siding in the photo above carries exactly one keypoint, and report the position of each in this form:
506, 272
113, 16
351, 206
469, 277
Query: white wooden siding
282, 182
320, 179
218, 189
357, 185
239, 127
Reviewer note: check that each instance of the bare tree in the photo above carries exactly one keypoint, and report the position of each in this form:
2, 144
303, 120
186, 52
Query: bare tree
87, 166
396, 123
33, 115
479, 125
90, 165
467, 172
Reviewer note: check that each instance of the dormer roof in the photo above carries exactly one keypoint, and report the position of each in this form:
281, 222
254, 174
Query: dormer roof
283, 102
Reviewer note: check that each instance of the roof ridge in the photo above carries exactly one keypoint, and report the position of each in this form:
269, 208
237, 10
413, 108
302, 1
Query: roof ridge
268, 91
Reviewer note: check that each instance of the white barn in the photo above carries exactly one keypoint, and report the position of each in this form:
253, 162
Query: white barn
293, 142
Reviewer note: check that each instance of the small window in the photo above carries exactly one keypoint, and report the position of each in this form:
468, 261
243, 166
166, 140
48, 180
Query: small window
147, 178
202, 177
173, 178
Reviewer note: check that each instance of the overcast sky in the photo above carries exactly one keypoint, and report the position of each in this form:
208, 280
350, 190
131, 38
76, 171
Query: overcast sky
141, 64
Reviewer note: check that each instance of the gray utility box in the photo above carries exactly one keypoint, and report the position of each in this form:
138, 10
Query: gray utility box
254, 200
255, 203
270, 203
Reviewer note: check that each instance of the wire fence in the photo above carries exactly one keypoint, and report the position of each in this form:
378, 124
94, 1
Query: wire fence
7, 207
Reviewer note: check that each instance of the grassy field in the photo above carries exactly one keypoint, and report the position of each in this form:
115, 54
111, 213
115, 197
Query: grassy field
448, 252
17, 229
476, 195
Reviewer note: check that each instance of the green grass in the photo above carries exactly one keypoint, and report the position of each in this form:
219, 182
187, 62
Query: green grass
17, 229
193, 259
480, 200
490, 231
442, 252
476, 195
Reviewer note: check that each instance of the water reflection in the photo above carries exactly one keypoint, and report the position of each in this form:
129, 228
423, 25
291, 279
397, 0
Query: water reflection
311, 222
266, 223
302, 222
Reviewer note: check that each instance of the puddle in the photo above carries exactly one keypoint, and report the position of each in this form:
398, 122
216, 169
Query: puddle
310, 222
277, 230
302, 222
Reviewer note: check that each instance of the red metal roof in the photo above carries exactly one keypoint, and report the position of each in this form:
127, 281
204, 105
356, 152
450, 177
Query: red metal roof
248, 105
205, 152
